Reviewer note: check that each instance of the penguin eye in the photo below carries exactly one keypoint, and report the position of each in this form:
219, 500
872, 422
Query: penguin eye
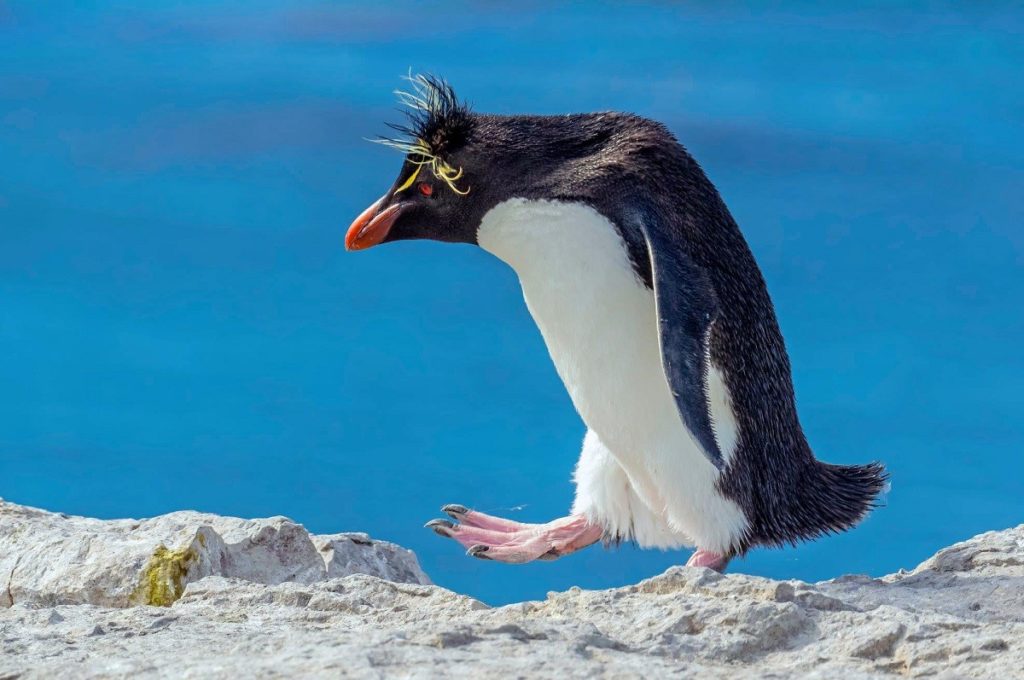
426, 188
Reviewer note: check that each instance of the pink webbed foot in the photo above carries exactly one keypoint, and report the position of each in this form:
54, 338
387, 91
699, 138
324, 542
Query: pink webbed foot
706, 558
503, 540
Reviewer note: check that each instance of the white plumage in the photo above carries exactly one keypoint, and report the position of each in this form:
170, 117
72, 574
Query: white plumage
641, 475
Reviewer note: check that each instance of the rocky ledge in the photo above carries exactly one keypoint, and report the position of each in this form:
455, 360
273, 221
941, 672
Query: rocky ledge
194, 595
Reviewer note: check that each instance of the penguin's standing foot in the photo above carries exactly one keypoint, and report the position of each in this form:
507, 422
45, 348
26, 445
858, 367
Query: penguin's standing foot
706, 558
503, 540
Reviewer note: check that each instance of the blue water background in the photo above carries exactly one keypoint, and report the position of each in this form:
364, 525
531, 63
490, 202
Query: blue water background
181, 328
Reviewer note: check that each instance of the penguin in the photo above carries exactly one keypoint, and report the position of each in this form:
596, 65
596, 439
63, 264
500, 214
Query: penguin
657, 319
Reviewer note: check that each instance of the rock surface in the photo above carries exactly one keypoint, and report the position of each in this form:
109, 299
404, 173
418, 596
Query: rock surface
51, 559
254, 602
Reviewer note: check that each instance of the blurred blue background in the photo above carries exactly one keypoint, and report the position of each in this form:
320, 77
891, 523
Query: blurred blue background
181, 328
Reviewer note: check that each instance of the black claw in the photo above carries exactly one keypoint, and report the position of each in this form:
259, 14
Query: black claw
439, 525
454, 510
478, 551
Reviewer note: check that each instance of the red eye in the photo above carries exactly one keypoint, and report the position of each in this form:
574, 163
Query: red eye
426, 188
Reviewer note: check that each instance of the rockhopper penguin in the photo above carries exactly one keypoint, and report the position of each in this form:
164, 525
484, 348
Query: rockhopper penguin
656, 317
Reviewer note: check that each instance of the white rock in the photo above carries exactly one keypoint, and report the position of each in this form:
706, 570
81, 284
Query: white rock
357, 553
264, 611
51, 559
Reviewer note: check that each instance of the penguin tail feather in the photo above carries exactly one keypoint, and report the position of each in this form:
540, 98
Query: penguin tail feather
834, 498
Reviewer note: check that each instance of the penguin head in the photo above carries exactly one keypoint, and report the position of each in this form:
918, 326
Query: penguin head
439, 192
459, 164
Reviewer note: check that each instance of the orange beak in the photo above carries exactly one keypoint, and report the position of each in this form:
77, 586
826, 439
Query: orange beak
371, 227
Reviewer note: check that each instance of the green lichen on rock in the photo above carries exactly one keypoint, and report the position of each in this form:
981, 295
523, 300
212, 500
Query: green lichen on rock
163, 579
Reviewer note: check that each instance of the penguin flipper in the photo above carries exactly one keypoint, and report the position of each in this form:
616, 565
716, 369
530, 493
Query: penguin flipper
686, 307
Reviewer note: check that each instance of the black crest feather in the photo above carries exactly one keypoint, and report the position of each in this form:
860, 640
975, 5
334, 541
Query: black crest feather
435, 117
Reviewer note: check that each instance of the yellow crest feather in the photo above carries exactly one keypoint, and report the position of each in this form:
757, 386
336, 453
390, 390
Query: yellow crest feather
431, 102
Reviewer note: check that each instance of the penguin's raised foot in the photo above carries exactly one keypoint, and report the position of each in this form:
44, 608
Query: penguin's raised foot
503, 540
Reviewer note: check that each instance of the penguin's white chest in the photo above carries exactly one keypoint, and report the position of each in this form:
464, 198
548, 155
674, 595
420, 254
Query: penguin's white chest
600, 326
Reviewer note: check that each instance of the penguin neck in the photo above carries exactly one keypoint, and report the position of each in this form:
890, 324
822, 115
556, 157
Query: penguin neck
540, 237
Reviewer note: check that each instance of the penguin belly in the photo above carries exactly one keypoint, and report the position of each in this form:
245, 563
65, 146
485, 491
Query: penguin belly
599, 322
